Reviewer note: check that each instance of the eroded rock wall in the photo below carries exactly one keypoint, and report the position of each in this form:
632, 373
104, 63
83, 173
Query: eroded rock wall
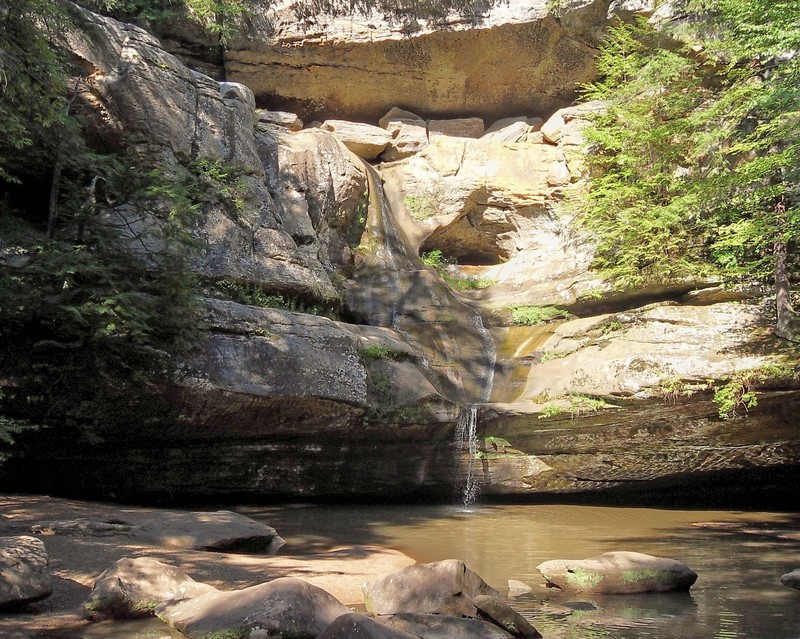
282, 403
510, 58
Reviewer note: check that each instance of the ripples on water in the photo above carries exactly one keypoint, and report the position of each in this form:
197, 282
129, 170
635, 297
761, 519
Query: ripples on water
738, 594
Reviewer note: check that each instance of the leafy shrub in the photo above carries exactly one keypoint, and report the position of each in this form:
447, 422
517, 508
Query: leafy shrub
529, 315
740, 391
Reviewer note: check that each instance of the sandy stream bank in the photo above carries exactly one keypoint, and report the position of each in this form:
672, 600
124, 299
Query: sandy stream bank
77, 559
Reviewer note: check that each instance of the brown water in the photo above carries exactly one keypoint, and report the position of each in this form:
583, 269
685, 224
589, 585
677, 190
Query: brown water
738, 593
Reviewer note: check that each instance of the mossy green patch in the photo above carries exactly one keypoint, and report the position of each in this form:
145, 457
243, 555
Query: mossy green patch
643, 575
583, 578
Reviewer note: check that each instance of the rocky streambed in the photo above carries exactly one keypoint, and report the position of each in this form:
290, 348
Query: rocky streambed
80, 566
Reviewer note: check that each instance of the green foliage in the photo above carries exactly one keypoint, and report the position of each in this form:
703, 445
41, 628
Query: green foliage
530, 315
421, 208
576, 405
219, 17
96, 299
436, 260
252, 294
740, 390
374, 352
696, 162
32, 82
222, 180
673, 387
468, 283
551, 355
409, 11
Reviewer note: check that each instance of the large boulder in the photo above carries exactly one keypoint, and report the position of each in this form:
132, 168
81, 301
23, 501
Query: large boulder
443, 587
355, 626
132, 588
286, 607
24, 577
319, 188
618, 573
409, 134
365, 140
791, 579
456, 128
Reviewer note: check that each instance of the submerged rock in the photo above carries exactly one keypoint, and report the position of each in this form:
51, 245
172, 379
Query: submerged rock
356, 626
439, 626
517, 588
24, 577
501, 614
220, 531
791, 579
618, 573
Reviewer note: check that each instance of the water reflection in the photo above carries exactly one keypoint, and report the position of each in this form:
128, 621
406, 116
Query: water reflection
738, 594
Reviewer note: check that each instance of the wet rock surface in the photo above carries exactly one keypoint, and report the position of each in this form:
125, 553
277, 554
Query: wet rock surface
791, 579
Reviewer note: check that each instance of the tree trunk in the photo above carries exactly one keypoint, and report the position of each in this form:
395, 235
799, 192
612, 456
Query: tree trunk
784, 326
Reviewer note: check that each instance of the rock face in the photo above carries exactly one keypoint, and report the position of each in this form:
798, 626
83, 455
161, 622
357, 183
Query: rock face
628, 354
444, 587
24, 577
618, 573
283, 607
290, 403
510, 58
681, 452
133, 588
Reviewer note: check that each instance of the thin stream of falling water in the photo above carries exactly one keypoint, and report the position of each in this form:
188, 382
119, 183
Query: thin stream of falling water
467, 445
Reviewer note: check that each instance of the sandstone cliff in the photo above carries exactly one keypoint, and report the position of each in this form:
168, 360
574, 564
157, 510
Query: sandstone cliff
283, 402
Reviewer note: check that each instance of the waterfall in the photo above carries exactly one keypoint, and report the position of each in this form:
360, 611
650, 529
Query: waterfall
467, 445
393, 289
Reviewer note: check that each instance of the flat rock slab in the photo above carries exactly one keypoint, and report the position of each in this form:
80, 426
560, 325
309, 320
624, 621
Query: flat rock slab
132, 588
443, 587
791, 579
286, 607
220, 531
618, 573
23, 571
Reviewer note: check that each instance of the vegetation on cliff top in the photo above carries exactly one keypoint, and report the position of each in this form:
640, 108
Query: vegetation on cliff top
696, 162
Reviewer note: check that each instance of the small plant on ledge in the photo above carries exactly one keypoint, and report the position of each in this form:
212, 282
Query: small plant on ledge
530, 314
